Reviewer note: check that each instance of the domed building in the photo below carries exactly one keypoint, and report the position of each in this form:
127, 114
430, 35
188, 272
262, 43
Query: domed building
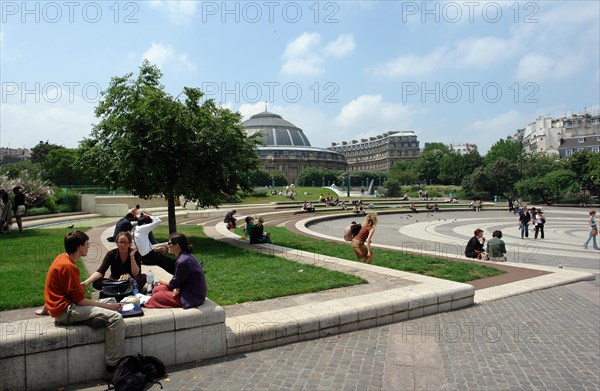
286, 148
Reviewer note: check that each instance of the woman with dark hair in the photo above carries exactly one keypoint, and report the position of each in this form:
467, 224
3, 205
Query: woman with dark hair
187, 288
125, 263
496, 247
475, 245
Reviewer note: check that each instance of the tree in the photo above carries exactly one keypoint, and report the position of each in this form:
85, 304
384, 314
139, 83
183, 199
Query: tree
41, 150
317, 177
263, 178
402, 173
151, 144
506, 149
61, 168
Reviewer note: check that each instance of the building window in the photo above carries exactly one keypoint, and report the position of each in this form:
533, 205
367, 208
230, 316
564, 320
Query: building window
595, 149
581, 139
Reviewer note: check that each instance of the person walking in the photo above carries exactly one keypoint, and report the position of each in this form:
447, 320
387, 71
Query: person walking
361, 244
510, 203
524, 219
540, 220
19, 207
593, 231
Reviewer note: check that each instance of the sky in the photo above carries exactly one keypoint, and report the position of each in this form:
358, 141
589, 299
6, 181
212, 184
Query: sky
452, 72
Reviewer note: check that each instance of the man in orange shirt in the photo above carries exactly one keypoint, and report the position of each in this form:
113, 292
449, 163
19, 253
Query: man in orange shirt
64, 298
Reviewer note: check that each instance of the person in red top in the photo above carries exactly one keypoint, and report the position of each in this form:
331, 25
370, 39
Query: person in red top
361, 244
65, 299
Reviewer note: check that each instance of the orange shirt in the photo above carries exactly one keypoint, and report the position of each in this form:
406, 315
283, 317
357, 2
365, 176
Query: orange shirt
63, 286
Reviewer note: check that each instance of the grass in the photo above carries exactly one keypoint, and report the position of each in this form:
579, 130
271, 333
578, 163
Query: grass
233, 275
24, 261
414, 263
312, 196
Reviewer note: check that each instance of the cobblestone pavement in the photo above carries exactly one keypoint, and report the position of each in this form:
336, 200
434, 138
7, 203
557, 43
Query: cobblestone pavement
544, 340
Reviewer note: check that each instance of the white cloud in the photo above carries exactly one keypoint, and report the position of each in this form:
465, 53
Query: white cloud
410, 65
162, 54
481, 52
341, 47
370, 113
64, 121
305, 55
178, 10
537, 66
486, 132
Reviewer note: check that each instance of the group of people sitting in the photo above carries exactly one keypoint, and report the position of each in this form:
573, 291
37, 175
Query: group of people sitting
255, 231
64, 292
494, 251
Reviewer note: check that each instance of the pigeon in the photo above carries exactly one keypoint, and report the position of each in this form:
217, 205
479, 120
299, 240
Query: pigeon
71, 226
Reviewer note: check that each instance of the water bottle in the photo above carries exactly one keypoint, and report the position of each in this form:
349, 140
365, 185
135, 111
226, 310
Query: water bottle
150, 280
135, 287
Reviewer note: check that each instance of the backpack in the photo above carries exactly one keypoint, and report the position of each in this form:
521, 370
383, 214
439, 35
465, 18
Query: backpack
133, 372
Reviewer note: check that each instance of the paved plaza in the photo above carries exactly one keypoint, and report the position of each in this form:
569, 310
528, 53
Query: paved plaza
447, 233
542, 340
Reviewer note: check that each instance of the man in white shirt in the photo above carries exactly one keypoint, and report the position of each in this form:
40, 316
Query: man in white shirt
140, 233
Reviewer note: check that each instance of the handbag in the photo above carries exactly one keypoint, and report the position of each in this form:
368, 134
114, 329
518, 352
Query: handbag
116, 288
594, 231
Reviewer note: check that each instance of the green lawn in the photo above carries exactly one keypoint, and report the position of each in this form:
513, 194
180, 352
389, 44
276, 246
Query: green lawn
414, 263
24, 261
233, 275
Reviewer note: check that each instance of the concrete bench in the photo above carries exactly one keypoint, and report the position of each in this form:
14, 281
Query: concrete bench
37, 353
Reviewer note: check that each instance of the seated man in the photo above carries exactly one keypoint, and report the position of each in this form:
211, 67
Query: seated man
496, 248
475, 245
123, 225
64, 298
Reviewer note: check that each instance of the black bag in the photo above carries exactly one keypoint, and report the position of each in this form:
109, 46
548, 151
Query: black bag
133, 372
120, 288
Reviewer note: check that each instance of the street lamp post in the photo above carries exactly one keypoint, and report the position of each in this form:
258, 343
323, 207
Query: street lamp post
348, 193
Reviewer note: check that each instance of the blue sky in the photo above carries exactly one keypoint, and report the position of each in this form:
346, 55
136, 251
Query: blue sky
453, 72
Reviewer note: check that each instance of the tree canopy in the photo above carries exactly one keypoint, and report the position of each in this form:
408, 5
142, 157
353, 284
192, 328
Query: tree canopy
152, 144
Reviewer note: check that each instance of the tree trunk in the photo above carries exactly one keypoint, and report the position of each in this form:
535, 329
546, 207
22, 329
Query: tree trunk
171, 211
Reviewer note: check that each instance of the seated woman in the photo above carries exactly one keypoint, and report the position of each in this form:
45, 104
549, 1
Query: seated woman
496, 247
187, 288
249, 226
258, 235
125, 262
475, 245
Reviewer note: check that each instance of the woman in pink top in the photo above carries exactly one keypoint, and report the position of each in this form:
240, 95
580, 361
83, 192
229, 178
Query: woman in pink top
361, 244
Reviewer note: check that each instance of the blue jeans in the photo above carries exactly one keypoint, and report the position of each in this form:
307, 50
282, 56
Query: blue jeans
593, 239
524, 230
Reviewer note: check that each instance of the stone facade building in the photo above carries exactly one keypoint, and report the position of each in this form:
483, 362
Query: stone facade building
379, 153
287, 149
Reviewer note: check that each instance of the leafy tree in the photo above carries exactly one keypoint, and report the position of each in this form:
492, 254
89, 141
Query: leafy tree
151, 144
403, 173
536, 164
430, 147
14, 170
61, 169
41, 150
559, 182
452, 169
263, 178
428, 165
317, 176
392, 188
496, 178
505, 149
